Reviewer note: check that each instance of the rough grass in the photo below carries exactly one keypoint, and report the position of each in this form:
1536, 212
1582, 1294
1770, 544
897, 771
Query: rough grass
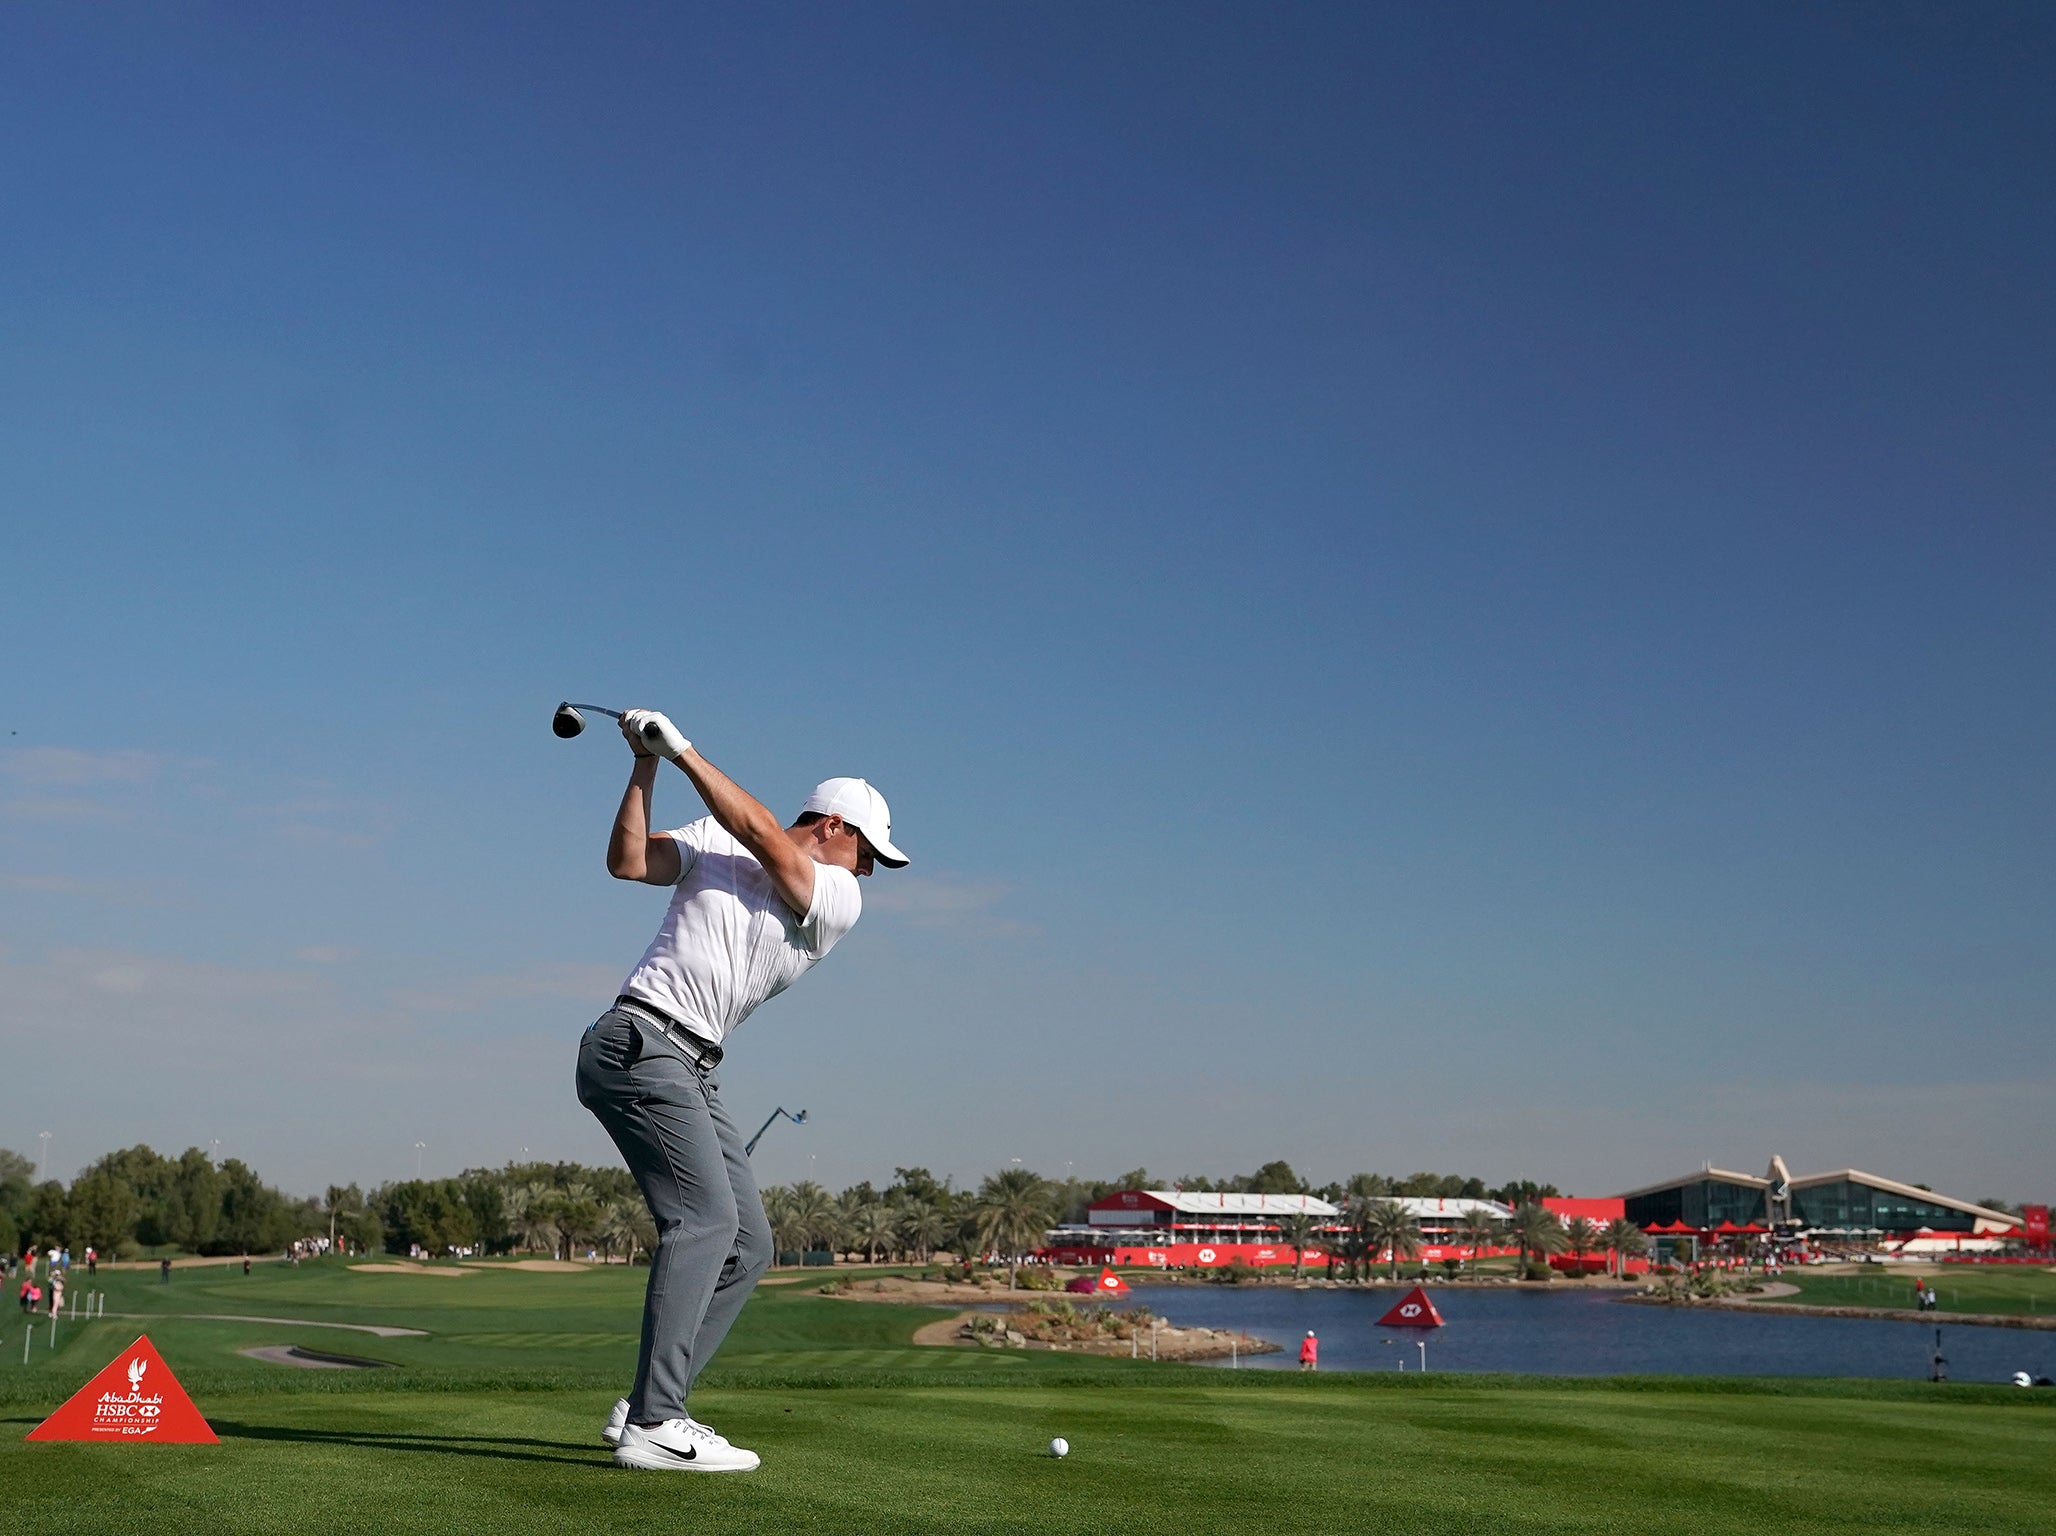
491, 1422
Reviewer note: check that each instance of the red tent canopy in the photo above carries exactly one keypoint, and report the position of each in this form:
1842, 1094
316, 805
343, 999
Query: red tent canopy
1727, 1226
1675, 1226
1752, 1227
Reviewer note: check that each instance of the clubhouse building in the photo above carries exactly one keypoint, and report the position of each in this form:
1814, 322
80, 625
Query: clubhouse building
1184, 1229
1847, 1207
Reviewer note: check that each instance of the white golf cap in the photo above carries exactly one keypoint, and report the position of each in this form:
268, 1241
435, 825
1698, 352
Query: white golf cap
862, 807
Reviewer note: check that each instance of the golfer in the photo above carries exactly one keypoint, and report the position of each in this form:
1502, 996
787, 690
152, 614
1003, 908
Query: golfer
753, 905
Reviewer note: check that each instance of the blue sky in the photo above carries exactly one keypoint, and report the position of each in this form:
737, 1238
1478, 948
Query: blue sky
1458, 587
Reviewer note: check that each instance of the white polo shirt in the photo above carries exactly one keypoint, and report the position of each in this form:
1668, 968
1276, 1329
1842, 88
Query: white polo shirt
729, 941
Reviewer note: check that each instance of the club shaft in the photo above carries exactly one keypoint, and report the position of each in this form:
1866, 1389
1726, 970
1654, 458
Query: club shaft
600, 709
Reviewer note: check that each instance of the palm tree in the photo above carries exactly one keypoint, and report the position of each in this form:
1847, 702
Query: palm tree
623, 1223
922, 1227
786, 1236
1622, 1240
530, 1214
1389, 1227
872, 1227
1356, 1242
1479, 1231
1537, 1231
1295, 1231
814, 1214
1580, 1237
1012, 1213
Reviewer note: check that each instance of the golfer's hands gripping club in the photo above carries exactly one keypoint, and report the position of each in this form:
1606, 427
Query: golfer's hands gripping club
650, 732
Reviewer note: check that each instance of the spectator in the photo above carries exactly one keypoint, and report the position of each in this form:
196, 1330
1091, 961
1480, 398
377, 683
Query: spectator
1309, 1352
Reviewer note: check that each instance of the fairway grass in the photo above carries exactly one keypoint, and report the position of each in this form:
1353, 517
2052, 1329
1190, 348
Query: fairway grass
1990, 1290
491, 1423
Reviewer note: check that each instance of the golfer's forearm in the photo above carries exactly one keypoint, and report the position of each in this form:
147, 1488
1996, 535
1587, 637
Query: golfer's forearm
628, 844
741, 814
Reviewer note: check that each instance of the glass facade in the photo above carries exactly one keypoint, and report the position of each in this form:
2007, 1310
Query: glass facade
1700, 1203
1844, 1203
1707, 1202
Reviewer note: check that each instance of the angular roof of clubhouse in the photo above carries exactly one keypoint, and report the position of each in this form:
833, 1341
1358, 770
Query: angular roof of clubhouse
1780, 1187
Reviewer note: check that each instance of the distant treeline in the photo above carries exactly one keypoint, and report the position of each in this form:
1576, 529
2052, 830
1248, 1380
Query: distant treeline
137, 1201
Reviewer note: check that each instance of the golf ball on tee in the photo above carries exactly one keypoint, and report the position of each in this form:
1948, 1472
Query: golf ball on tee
1060, 1446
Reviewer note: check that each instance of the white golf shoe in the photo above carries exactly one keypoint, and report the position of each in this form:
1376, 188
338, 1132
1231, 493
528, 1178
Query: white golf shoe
611, 1433
680, 1445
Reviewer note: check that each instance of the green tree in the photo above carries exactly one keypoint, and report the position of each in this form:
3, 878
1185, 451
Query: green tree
814, 1215
626, 1224
48, 1213
1478, 1231
578, 1215
143, 1181
1296, 1231
1622, 1240
17, 1184
1012, 1214
923, 1227
1581, 1238
255, 1218
425, 1213
1535, 1228
531, 1215
192, 1204
1274, 1178
918, 1184
101, 1211
786, 1236
485, 1197
1390, 1228
872, 1227
339, 1203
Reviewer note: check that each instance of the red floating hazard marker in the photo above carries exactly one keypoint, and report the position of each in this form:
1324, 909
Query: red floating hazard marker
135, 1399
1414, 1311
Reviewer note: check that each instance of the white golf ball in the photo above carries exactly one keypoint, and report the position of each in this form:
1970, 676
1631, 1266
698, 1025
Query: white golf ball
1060, 1446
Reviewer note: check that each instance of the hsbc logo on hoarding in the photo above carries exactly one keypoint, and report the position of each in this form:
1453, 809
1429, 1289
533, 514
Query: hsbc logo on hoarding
134, 1397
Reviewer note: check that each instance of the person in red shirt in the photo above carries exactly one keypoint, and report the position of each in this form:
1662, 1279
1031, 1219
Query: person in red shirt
1309, 1352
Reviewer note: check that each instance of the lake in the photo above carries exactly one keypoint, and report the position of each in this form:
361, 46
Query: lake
1574, 1332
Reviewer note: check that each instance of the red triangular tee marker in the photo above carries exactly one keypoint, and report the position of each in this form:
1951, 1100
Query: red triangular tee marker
1414, 1311
135, 1399
1111, 1283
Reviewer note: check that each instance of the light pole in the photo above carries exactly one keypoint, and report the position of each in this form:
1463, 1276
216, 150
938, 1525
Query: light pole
417, 1157
43, 1156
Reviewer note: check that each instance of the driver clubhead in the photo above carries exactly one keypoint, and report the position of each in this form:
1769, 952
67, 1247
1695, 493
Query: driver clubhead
567, 722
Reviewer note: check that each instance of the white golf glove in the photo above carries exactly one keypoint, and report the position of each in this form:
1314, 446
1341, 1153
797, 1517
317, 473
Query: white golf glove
656, 733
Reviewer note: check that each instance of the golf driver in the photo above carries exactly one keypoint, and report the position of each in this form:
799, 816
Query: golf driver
567, 722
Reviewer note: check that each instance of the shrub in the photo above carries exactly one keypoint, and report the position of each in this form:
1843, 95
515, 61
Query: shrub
1536, 1269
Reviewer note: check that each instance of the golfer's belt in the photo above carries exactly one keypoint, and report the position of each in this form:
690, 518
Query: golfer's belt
700, 1053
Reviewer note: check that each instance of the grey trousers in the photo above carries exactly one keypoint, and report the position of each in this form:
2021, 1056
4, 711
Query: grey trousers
713, 1242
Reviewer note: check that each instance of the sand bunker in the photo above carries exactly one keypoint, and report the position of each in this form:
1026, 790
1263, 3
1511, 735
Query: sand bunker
549, 1267
404, 1267
312, 1359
